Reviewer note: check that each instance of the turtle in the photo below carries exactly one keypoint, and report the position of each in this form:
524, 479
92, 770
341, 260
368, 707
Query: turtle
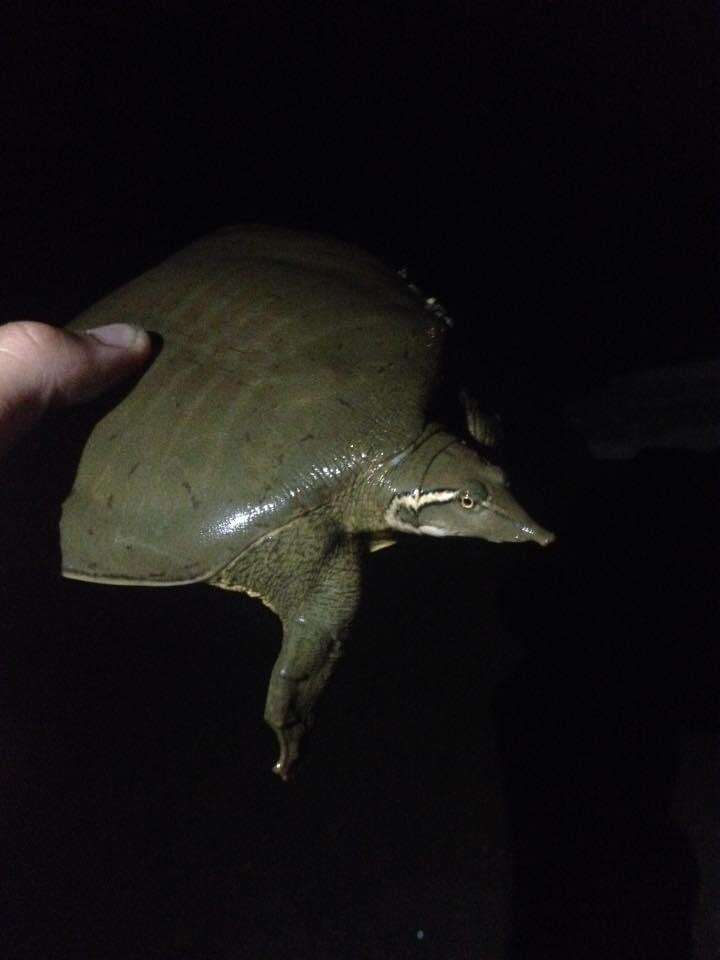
280, 435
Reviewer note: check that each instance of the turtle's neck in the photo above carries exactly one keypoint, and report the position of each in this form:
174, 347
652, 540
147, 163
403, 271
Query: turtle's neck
367, 501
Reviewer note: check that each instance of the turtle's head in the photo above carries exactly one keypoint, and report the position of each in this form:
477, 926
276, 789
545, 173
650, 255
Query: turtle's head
459, 494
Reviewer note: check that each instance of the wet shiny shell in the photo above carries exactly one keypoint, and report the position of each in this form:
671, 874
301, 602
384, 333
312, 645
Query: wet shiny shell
290, 363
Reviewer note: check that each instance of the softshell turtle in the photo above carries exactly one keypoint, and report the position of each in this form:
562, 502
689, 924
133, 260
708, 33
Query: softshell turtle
280, 434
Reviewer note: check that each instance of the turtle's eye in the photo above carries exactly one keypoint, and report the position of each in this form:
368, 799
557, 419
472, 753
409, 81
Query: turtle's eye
467, 501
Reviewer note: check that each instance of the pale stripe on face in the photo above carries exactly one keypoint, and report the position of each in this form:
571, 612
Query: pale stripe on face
414, 502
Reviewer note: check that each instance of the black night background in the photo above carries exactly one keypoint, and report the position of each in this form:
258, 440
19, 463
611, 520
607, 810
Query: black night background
517, 757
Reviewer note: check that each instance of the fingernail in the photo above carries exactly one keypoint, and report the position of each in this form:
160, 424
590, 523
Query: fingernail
119, 335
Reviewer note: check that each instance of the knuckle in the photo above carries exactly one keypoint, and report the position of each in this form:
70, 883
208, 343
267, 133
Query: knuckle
46, 361
26, 340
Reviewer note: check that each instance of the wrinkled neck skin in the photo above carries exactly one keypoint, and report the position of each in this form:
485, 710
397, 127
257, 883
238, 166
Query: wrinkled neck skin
443, 487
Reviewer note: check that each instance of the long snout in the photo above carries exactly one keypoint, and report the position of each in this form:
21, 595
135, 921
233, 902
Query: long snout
512, 523
533, 531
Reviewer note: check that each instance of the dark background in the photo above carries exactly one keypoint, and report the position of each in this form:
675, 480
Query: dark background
517, 755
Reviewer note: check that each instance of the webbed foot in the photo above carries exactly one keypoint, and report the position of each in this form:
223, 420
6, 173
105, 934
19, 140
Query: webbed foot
297, 679
288, 712
289, 740
311, 647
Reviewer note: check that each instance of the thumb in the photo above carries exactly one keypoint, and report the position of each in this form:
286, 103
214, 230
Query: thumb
42, 366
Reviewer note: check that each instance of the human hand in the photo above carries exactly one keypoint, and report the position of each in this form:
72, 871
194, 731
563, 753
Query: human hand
43, 367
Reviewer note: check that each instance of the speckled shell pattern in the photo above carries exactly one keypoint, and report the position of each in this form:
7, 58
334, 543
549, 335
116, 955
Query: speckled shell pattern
292, 365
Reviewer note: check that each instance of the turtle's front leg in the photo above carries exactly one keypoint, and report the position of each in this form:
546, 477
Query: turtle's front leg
299, 675
311, 647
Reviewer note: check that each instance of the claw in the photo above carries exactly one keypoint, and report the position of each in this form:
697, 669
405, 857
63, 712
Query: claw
282, 767
288, 754
281, 770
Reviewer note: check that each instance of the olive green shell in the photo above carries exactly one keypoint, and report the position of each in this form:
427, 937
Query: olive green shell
290, 363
